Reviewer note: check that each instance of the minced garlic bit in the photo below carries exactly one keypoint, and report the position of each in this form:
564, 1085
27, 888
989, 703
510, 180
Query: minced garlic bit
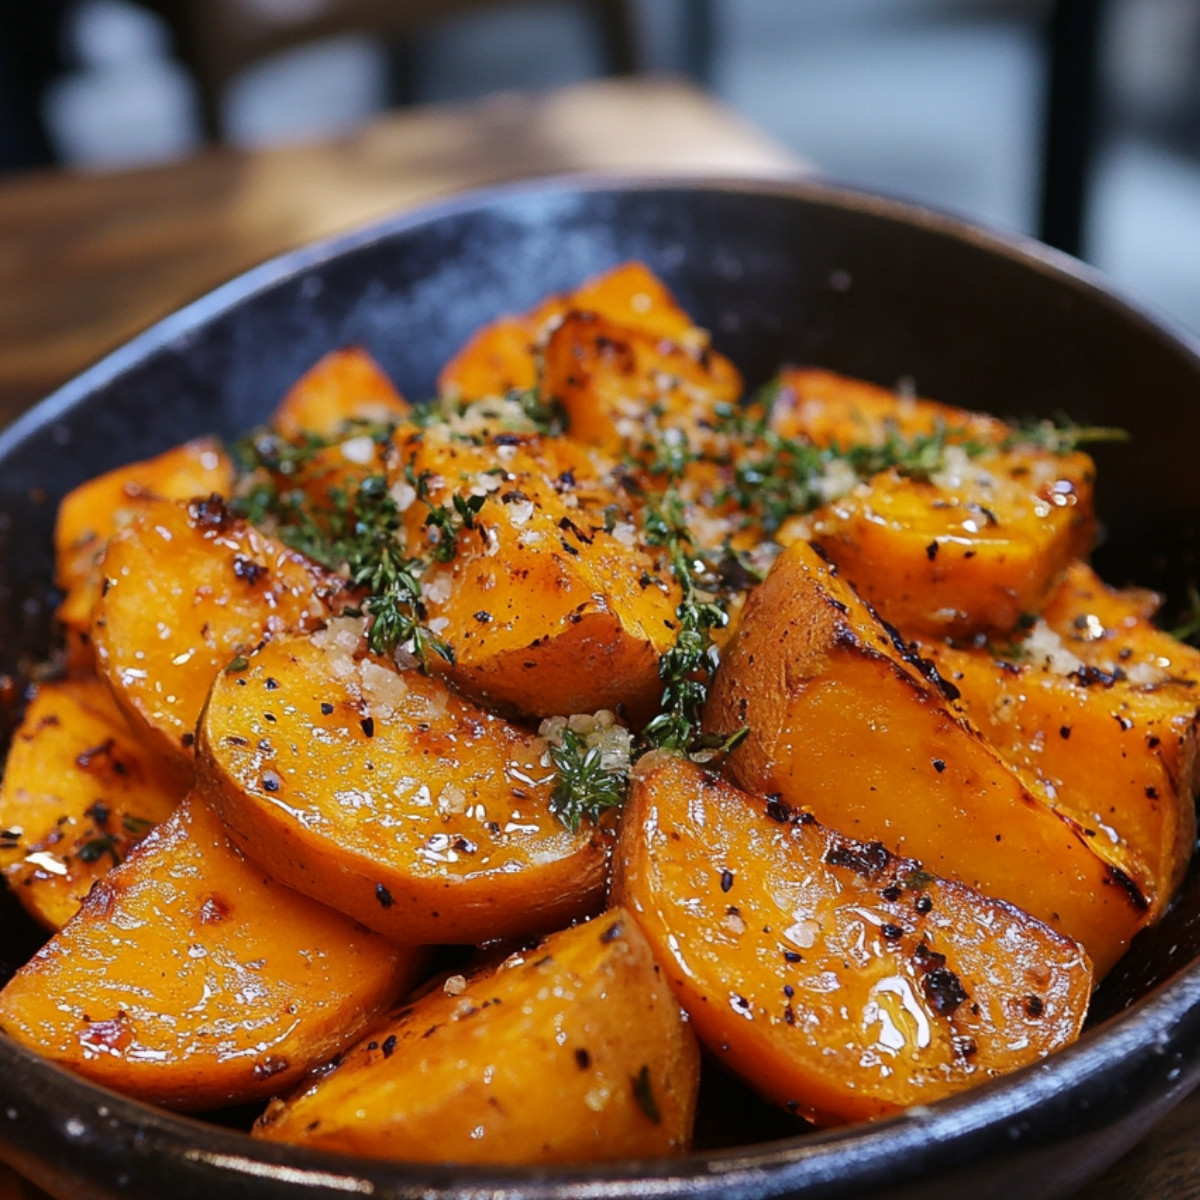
600, 729
1045, 648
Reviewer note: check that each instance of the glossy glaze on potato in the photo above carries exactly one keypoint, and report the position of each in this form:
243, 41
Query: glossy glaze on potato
192, 979
550, 607
574, 1049
80, 791
844, 721
391, 798
839, 980
187, 588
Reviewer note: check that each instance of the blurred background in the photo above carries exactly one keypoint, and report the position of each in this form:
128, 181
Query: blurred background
943, 101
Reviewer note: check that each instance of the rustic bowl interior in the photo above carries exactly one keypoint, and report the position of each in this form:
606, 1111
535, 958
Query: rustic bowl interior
779, 273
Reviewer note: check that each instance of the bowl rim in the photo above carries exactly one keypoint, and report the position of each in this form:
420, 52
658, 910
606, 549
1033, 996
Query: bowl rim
859, 1154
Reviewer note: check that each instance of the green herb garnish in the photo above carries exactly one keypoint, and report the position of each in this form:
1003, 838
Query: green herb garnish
1062, 435
584, 787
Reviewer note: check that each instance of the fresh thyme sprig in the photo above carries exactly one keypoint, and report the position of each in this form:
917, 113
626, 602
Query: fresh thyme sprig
357, 531
1061, 435
584, 787
689, 666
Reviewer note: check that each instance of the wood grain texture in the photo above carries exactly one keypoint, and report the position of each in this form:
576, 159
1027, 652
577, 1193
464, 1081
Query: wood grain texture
88, 260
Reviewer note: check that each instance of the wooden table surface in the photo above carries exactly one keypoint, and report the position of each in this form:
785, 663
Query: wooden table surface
88, 260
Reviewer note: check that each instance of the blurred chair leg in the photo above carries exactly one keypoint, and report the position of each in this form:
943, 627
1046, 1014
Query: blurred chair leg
1071, 120
614, 22
699, 39
30, 56
403, 57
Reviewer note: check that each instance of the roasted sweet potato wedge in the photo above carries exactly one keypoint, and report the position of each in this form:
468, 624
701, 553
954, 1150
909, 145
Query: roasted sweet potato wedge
191, 979
574, 1050
503, 355
549, 601
389, 797
830, 409
972, 548
1110, 630
839, 980
625, 390
845, 721
187, 588
79, 792
344, 387
90, 514
1119, 758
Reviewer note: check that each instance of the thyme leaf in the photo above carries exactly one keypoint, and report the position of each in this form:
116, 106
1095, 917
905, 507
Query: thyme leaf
689, 666
1062, 435
584, 786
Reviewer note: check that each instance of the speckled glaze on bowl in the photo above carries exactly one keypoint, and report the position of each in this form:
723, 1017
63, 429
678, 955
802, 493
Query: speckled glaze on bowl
779, 272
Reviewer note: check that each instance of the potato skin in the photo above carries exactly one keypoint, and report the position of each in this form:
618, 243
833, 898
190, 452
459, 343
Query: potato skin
834, 977
186, 589
80, 791
845, 721
574, 1050
191, 979
391, 798
1118, 758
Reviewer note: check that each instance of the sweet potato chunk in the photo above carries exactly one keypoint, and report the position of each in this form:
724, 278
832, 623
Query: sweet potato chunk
190, 979
549, 602
79, 792
1119, 758
186, 589
844, 721
973, 548
90, 514
1110, 630
343, 387
839, 980
390, 798
503, 356
829, 409
575, 1050
624, 389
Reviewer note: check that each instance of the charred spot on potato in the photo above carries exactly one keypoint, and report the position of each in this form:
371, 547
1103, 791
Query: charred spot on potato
944, 990
863, 858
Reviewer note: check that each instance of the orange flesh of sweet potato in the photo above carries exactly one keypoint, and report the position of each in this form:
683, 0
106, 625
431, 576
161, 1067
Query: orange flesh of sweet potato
623, 388
830, 409
390, 798
503, 355
834, 977
843, 723
1119, 760
186, 589
345, 386
90, 514
972, 549
79, 792
1110, 629
574, 1050
190, 979
547, 611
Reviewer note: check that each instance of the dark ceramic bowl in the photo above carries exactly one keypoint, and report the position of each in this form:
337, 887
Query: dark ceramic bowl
779, 272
